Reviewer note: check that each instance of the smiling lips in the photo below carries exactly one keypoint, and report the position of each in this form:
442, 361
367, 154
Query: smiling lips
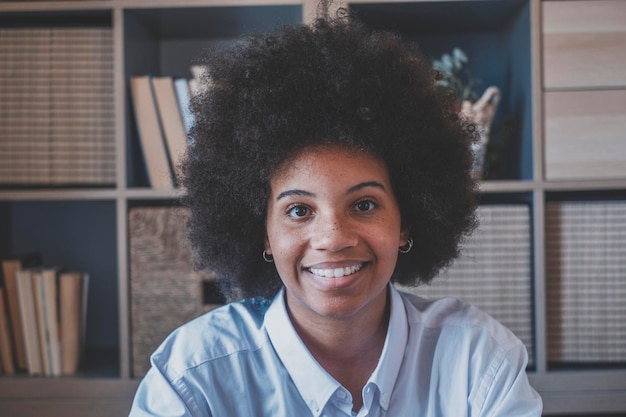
336, 272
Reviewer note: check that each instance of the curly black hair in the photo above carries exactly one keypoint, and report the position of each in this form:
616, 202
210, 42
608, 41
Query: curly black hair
336, 82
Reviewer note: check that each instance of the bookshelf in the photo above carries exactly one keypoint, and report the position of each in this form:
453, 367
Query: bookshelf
525, 47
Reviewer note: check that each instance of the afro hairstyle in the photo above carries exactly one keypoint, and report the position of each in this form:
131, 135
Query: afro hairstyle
334, 82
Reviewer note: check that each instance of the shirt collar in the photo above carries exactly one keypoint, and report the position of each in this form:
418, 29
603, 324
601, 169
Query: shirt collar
388, 368
301, 365
303, 368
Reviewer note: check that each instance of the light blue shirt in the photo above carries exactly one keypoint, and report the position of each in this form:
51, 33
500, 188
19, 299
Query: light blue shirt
440, 358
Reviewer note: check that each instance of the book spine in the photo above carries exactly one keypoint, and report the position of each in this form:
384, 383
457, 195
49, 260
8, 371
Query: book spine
10, 268
171, 120
150, 133
183, 96
39, 298
29, 322
71, 311
51, 304
6, 354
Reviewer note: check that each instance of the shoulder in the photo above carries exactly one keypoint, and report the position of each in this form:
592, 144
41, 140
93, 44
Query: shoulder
462, 343
453, 315
230, 329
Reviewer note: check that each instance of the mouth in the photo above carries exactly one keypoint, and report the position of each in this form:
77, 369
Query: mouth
336, 272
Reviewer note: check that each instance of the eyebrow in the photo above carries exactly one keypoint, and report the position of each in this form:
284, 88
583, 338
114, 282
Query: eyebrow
366, 184
301, 193
295, 192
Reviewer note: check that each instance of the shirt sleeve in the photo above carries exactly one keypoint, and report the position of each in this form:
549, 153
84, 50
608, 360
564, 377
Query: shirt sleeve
157, 397
510, 392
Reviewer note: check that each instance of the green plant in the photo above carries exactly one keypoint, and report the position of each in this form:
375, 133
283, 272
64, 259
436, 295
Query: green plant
455, 75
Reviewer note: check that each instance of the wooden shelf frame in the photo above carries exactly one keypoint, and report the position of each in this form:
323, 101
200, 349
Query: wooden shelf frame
564, 391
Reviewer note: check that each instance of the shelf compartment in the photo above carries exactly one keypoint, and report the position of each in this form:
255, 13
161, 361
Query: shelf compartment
584, 44
77, 235
58, 109
167, 41
585, 282
584, 134
495, 35
494, 270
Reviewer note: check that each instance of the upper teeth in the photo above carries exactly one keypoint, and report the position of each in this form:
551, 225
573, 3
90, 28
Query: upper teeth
336, 272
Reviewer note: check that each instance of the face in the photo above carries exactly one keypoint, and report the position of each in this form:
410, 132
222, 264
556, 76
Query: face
333, 228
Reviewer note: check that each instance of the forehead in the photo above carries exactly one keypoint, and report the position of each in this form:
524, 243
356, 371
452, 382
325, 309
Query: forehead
330, 161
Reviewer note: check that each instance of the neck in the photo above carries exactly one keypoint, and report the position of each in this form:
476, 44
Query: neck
343, 337
347, 348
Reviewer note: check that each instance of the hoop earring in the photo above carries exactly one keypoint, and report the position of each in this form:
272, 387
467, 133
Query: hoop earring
267, 257
406, 248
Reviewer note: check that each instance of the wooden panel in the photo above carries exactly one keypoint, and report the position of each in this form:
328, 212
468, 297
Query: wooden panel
71, 397
584, 43
64, 408
585, 134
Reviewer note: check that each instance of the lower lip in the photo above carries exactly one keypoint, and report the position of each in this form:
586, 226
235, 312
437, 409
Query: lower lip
332, 283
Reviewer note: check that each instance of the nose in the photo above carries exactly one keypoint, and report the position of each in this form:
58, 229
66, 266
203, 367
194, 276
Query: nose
333, 232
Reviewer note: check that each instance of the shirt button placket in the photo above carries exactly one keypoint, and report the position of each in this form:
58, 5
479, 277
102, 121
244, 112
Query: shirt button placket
315, 408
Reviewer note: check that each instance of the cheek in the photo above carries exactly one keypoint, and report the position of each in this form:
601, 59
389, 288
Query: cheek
390, 246
388, 231
284, 243
287, 252
389, 249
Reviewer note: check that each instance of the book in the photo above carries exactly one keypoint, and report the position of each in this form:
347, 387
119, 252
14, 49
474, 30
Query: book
40, 318
46, 304
29, 321
181, 85
51, 302
9, 269
6, 353
171, 120
150, 133
73, 288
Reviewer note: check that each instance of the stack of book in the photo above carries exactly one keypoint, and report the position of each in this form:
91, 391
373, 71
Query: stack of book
42, 318
57, 110
162, 109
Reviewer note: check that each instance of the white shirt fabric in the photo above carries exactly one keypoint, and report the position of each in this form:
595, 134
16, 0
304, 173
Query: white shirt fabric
440, 358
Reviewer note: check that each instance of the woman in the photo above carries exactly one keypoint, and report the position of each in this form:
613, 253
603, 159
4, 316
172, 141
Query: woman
325, 166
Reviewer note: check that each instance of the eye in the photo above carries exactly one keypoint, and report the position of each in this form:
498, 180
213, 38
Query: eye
365, 205
298, 212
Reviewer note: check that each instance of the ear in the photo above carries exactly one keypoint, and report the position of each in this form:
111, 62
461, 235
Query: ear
404, 236
266, 243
